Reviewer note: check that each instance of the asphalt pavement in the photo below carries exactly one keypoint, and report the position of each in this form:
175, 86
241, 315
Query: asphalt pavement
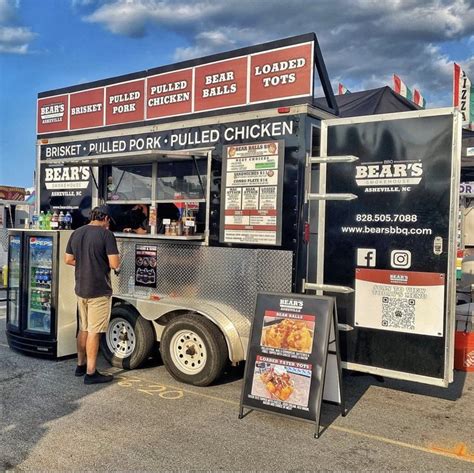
146, 421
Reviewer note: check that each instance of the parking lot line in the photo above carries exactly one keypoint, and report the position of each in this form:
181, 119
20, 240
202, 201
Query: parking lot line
460, 455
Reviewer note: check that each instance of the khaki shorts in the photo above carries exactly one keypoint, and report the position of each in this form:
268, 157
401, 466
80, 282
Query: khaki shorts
94, 314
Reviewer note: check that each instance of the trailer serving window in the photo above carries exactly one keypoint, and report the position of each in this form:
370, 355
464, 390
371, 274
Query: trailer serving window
129, 183
164, 198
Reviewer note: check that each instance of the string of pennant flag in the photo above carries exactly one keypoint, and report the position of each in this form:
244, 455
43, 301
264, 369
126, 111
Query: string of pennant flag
463, 94
401, 88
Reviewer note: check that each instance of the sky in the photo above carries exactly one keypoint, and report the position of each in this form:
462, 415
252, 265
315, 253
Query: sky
50, 44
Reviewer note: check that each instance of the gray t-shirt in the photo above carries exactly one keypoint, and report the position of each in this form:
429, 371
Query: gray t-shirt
91, 245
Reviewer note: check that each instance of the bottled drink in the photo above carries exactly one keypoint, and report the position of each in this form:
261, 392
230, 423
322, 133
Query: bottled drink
61, 221
47, 220
34, 220
68, 220
54, 222
40, 277
41, 220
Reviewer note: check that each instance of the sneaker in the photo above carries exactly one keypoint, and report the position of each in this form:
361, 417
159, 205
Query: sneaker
81, 370
97, 378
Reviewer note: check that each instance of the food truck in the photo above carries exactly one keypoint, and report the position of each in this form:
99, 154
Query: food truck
218, 173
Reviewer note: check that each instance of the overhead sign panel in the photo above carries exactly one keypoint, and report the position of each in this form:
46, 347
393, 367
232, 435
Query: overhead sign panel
52, 114
221, 85
287, 72
125, 102
87, 109
240, 78
169, 94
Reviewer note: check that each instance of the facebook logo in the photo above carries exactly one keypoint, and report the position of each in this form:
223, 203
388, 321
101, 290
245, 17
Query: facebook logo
366, 257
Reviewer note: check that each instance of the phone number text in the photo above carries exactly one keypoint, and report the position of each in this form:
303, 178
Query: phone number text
386, 218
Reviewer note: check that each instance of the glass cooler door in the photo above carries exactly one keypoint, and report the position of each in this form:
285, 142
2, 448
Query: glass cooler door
14, 278
40, 281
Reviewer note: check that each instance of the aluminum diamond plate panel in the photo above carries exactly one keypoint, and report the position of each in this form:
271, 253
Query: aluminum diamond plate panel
224, 277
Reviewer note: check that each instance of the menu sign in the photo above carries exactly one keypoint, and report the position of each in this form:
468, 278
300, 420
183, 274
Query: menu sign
87, 109
241, 79
169, 94
287, 355
281, 73
251, 210
145, 266
221, 84
125, 102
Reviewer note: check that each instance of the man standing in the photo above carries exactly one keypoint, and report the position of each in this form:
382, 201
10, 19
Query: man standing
92, 249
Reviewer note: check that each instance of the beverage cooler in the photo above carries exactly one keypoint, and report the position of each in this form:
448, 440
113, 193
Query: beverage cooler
41, 307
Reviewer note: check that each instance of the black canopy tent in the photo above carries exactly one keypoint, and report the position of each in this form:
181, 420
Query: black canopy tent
370, 102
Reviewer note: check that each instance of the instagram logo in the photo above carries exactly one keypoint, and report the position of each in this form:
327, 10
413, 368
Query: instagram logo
400, 259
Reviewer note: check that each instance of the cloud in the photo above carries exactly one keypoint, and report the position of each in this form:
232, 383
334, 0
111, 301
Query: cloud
363, 41
14, 39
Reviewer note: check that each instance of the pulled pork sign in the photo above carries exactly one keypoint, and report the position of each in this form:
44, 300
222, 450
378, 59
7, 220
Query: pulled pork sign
277, 71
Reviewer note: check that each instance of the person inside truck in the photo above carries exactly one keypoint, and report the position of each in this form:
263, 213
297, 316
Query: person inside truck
138, 219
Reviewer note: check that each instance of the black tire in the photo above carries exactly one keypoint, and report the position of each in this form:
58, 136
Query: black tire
143, 343
214, 342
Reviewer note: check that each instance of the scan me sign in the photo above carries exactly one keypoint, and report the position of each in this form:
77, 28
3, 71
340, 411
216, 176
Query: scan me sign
393, 243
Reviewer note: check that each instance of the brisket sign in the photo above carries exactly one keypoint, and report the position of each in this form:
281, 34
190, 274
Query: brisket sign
87, 109
263, 76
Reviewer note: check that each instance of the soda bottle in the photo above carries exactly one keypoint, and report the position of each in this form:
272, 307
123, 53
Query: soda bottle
54, 225
61, 222
68, 220
47, 221
41, 220
34, 220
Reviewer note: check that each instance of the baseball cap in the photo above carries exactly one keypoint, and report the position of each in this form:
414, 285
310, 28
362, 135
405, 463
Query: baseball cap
106, 210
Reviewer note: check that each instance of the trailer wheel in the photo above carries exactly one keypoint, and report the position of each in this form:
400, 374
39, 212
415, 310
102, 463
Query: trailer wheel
193, 350
128, 340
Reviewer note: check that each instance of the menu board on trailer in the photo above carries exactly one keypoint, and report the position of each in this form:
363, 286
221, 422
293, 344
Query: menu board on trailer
251, 206
287, 356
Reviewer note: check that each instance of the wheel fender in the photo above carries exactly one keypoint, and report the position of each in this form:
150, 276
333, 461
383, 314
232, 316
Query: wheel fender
155, 310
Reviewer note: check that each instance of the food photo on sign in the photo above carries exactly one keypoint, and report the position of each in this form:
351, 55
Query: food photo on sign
286, 383
287, 334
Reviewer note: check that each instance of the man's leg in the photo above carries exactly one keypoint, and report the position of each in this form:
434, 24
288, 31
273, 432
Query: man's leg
81, 337
92, 349
98, 319
81, 347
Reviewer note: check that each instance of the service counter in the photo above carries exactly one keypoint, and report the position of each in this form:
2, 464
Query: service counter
147, 236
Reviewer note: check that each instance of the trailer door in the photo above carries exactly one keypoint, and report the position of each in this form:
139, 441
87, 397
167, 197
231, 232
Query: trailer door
387, 205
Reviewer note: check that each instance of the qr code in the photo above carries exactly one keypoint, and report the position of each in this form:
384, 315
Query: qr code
398, 313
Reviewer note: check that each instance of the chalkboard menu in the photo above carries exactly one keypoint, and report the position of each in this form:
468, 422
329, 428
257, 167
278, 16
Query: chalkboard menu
145, 266
287, 355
